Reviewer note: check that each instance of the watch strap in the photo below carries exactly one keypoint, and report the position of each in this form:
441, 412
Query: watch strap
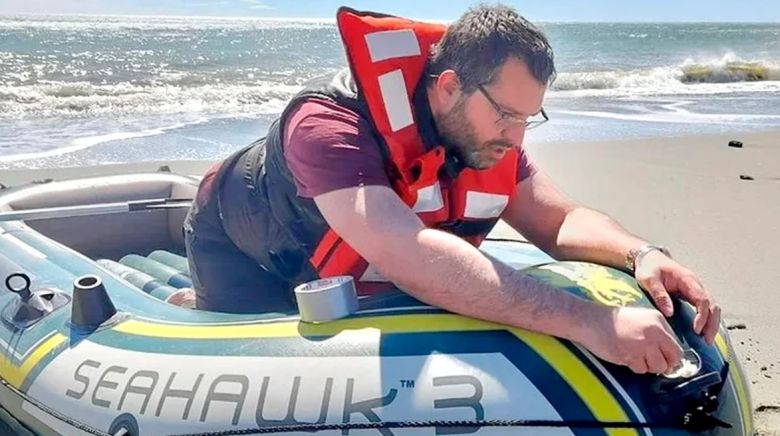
635, 255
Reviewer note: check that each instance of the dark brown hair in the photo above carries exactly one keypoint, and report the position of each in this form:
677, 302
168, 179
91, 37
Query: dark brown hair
480, 41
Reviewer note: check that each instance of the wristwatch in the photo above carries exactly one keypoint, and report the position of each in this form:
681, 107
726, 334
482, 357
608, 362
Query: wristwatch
636, 254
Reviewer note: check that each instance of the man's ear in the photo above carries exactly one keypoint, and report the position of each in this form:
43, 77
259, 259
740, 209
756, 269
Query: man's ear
448, 86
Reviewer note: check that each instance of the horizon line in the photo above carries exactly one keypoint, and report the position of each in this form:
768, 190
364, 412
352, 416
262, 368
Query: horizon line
332, 20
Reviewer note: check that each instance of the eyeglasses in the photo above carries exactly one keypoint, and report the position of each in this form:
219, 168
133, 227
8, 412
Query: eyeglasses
510, 120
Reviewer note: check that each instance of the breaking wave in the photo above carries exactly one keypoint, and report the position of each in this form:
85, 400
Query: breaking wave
681, 78
84, 99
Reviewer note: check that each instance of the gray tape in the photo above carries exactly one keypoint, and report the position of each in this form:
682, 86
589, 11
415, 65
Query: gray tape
326, 299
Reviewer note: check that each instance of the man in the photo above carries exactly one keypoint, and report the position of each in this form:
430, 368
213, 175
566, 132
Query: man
398, 168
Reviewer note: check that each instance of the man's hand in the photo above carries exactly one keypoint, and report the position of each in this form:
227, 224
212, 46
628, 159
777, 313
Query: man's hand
660, 276
635, 337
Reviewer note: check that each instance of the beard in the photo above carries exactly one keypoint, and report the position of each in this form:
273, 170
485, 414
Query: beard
458, 136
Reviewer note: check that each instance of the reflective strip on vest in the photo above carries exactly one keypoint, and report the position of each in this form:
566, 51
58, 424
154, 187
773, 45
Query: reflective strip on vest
396, 103
390, 44
429, 199
484, 205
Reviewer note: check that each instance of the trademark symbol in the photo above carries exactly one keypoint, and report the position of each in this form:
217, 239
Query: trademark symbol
407, 384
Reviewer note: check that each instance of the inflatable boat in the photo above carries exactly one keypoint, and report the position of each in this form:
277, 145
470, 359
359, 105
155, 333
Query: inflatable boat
92, 346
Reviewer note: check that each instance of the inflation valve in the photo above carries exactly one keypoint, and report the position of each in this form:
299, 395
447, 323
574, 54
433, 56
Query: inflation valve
31, 305
91, 304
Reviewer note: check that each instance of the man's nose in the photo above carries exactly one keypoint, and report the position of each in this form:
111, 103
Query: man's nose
514, 135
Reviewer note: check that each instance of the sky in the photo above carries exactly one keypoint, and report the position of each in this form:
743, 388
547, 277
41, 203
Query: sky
538, 10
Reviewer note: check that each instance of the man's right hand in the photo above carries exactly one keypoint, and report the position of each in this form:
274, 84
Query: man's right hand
635, 337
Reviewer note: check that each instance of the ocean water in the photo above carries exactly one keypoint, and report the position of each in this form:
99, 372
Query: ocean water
84, 90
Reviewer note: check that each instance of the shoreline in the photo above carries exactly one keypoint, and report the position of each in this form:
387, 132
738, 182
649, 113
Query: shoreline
15, 177
683, 192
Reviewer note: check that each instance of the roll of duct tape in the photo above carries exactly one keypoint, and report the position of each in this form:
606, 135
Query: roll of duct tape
326, 299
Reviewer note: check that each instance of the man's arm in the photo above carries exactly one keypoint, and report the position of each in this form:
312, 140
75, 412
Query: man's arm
442, 269
566, 230
445, 271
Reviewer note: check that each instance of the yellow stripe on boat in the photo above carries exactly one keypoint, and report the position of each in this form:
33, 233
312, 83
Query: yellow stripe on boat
722, 347
739, 386
15, 375
591, 391
292, 329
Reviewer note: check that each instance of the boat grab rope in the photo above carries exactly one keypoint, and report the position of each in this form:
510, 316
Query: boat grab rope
314, 427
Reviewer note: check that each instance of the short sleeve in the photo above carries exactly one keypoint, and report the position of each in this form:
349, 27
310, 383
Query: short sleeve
328, 147
525, 168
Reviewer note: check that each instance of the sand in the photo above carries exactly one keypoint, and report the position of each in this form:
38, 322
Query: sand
686, 193
716, 207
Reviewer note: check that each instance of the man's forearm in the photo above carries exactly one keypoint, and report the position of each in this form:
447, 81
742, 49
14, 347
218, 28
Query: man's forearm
447, 272
586, 234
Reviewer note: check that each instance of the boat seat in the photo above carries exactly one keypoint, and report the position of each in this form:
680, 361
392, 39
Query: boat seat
110, 236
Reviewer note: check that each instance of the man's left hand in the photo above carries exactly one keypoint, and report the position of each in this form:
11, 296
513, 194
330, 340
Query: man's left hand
660, 276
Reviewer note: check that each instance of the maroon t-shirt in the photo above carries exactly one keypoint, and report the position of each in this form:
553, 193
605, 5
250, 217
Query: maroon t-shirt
328, 147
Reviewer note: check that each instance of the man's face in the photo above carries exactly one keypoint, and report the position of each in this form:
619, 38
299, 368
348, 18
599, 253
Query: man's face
476, 130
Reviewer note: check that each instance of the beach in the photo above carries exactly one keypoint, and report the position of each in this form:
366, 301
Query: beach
683, 192
686, 193
641, 115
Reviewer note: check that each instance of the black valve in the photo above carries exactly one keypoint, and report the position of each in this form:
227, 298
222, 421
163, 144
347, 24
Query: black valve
32, 305
92, 305
24, 290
